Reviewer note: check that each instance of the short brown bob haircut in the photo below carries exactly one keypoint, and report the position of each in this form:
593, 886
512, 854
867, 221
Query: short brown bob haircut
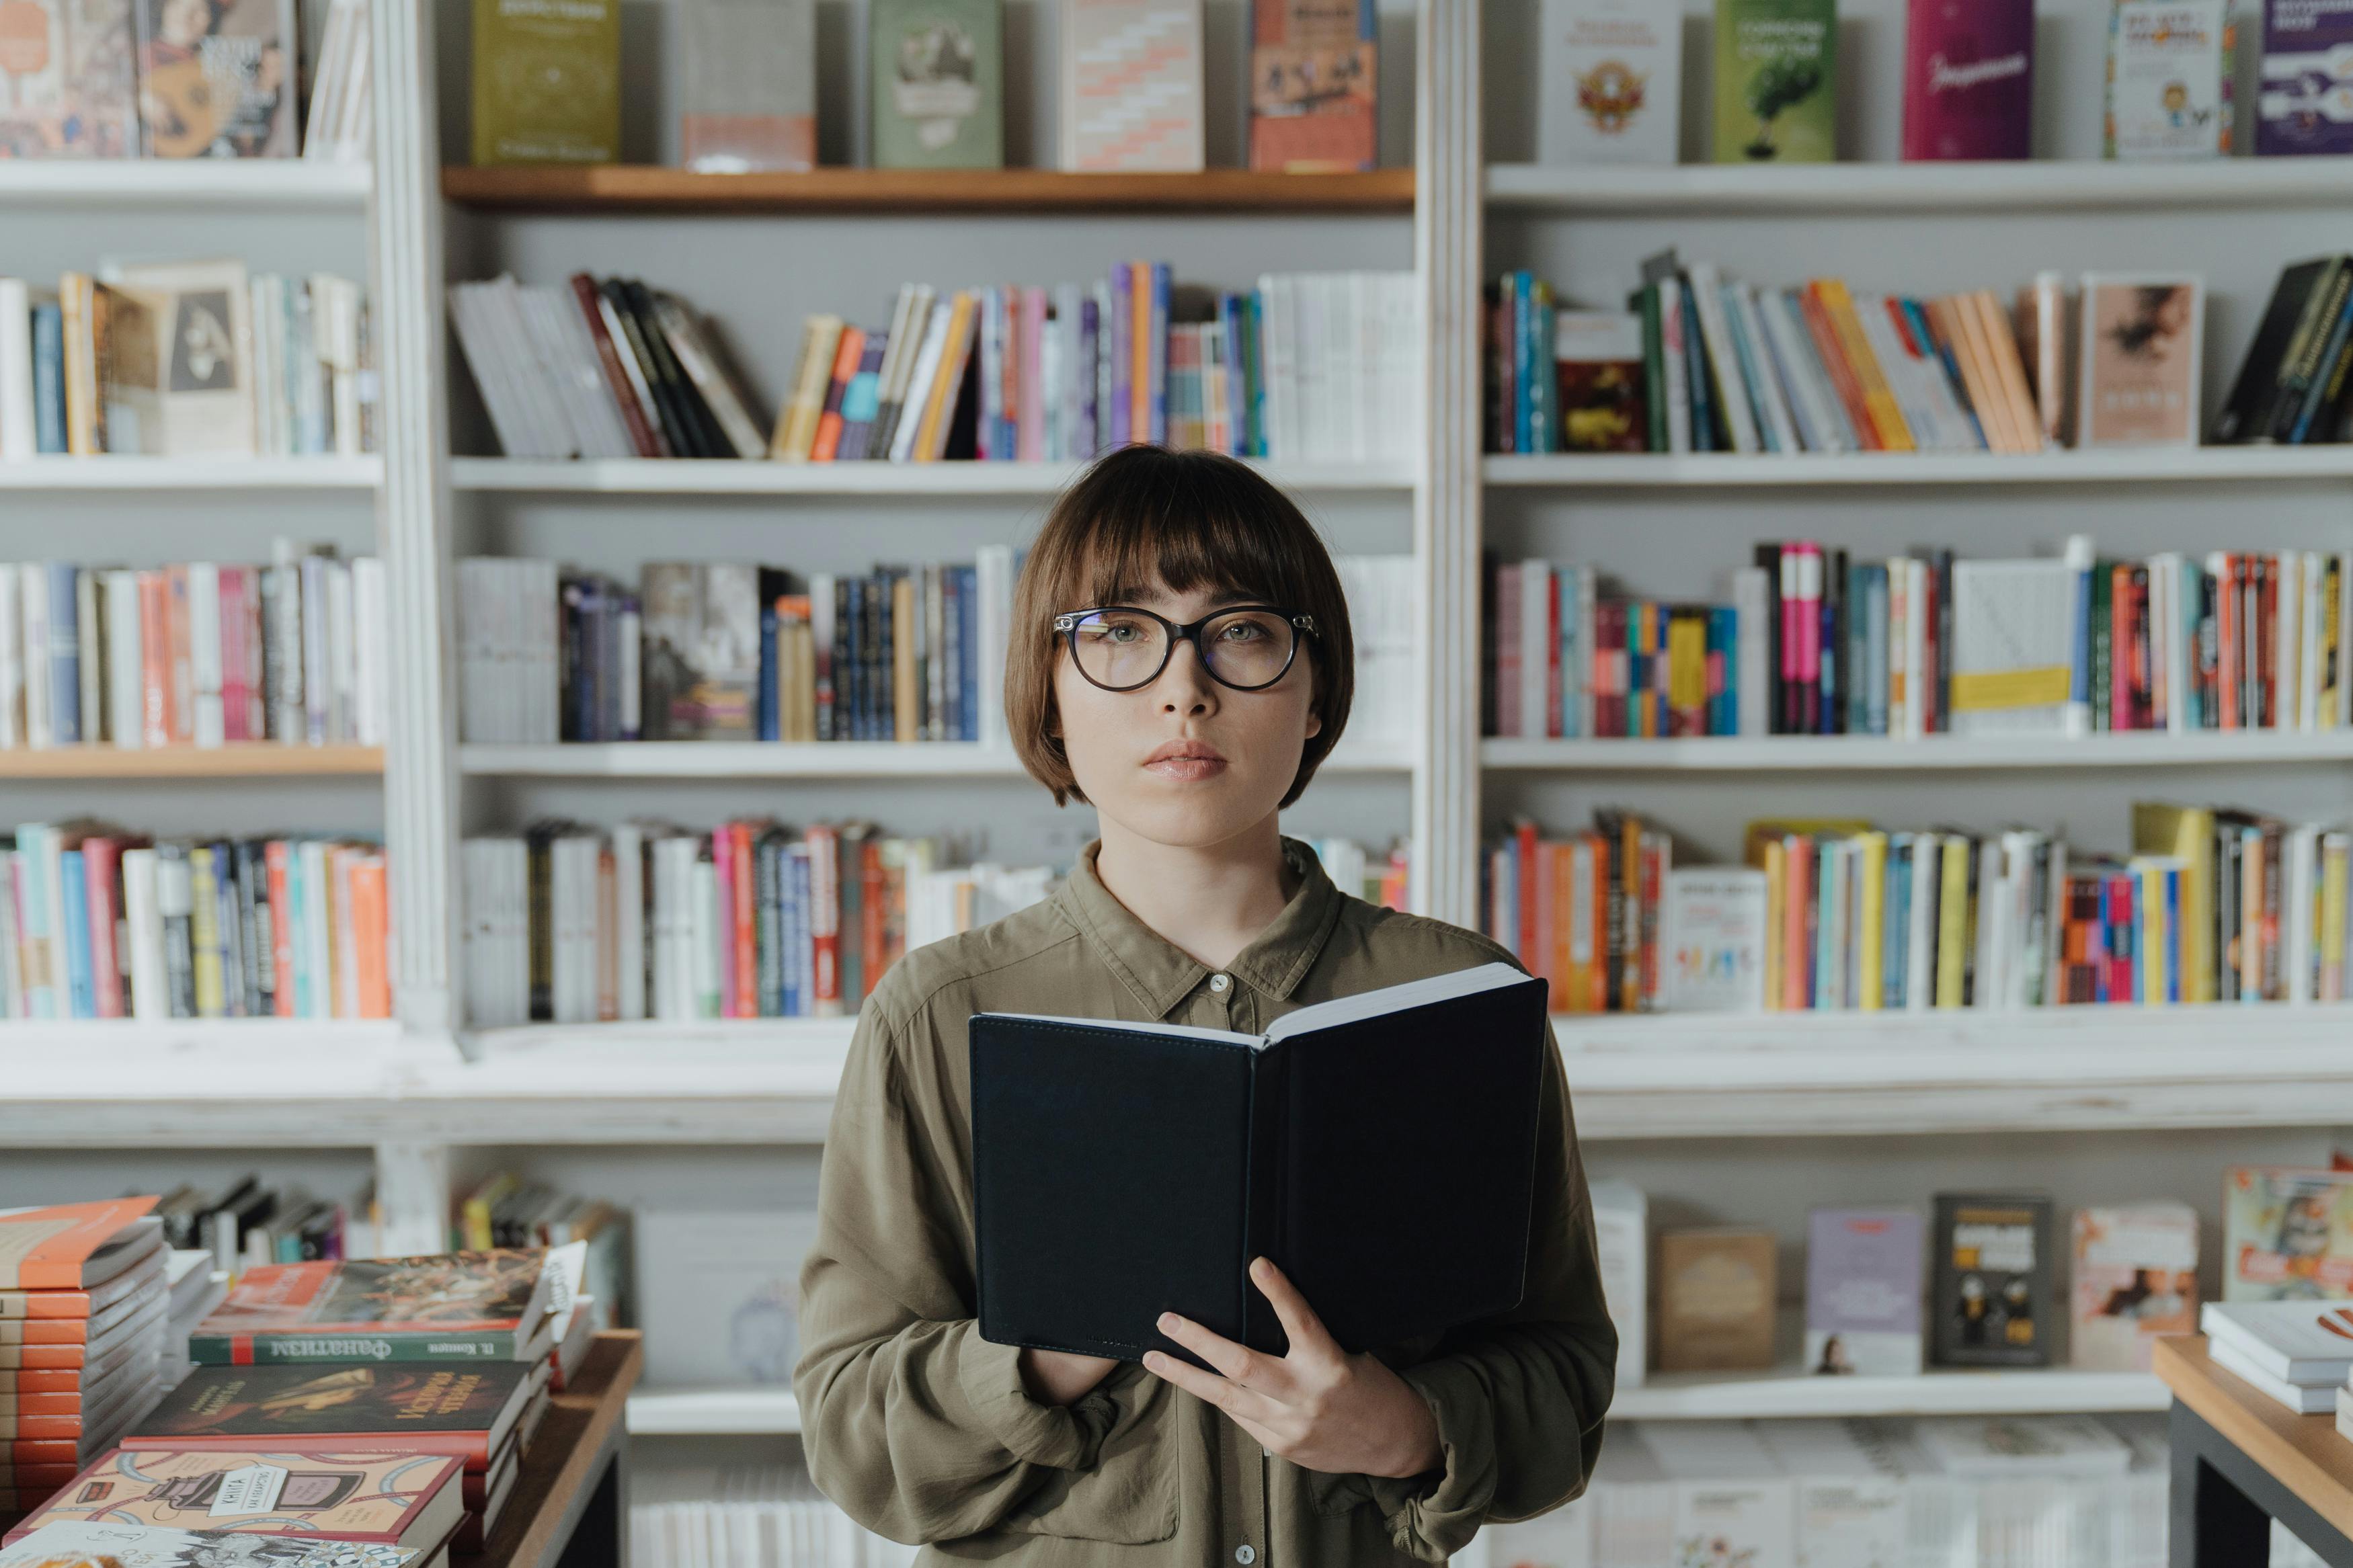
1191, 519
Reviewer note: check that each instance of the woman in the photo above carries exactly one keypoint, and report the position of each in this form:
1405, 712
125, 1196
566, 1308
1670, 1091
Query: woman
1181, 661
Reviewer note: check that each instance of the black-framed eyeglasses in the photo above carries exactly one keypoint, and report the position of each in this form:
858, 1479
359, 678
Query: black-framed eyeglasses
1122, 647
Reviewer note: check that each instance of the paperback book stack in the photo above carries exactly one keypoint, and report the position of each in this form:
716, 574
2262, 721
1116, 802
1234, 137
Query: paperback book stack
195, 655
98, 922
366, 1357
186, 358
1814, 642
83, 1305
2298, 1353
195, 1284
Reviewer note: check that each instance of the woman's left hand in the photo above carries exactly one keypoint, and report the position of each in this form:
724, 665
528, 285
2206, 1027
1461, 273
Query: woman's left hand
1320, 1407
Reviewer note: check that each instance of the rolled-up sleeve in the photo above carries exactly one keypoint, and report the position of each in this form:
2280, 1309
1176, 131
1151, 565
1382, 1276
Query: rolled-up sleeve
913, 1423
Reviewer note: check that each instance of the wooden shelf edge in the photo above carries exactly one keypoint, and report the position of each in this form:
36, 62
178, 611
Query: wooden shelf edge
247, 760
607, 188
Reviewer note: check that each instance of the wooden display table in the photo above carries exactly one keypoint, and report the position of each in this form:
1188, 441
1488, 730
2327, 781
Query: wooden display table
2242, 1459
570, 1505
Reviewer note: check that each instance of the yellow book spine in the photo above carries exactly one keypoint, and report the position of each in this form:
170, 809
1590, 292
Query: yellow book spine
906, 714
1776, 895
1687, 664
1953, 924
1581, 917
1870, 914
1139, 360
2333, 880
928, 435
1878, 397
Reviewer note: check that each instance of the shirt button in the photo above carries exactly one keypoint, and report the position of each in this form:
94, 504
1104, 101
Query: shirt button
1245, 1553
1218, 982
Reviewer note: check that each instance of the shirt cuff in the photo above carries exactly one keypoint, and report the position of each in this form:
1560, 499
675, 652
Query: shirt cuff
1065, 1436
1434, 1514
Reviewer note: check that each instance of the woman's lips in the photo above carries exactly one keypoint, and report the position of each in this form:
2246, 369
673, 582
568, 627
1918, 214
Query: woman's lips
1188, 769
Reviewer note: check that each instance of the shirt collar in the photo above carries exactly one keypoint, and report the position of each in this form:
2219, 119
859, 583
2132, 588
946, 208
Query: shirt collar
1161, 974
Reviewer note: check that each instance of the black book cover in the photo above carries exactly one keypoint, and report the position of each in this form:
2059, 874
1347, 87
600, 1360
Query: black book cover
1991, 1285
711, 441
2246, 414
1121, 1170
2305, 374
1779, 717
665, 410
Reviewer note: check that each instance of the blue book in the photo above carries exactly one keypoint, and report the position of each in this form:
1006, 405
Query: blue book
2173, 933
800, 950
1156, 372
1723, 652
1703, 396
1516, 299
65, 655
1237, 327
2315, 398
1752, 372
74, 940
1943, 349
766, 700
49, 379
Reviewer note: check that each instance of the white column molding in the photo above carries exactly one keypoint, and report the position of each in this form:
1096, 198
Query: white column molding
421, 781
1447, 222
412, 1193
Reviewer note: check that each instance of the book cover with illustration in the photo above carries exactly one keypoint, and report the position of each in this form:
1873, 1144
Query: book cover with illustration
217, 79
751, 86
2135, 1278
452, 1305
547, 81
2143, 336
72, 1246
79, 1542
465, 1410
1714, 924
2305, 101
2287, 1235
1991, 1280
1969, 79
1715, 1300
1612, 81
400, 1498
1315, 75
2169, 91
937, 94
1862, 1292
67, 82
1132, 93
1776, 81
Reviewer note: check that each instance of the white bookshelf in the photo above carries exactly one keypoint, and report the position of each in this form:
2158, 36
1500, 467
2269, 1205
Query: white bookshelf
2070, 185
713, 1412
673, 477
294, 186
1787, 1392
2240, 467
1930, 753
206, 474
808, 760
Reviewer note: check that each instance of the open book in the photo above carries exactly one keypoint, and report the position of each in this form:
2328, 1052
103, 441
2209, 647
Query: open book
1380, 1148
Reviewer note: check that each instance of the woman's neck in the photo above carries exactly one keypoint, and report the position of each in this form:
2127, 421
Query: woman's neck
1210, 900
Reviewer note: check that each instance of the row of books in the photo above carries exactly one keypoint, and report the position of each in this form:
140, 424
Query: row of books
187, 359
1831, 915
198, 654
766, 1515
1815, 643
1129, 92
727, 652
2026, 1491
96, 923
248, 1222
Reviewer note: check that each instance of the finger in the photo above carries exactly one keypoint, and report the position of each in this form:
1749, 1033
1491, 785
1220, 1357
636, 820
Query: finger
1238, 1362
1227, 1396
1305, 1329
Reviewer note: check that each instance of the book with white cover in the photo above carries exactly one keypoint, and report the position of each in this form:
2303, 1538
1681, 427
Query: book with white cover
1612, 81
2305, 1399
1730, 1498
2014, 645
1849, 1505
2296, 1342
1714, 923
2010, 1447
1622, 1228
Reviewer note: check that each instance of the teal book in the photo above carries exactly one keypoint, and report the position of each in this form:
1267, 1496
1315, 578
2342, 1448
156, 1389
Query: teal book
1776, 81
938, 95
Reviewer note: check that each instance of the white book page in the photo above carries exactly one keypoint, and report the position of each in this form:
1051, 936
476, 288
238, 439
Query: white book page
1364, 1005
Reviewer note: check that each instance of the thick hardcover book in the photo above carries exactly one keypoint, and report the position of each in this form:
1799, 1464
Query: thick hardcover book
1969, 79
452, 1306
1125, 1169
397, 1500
465, 1411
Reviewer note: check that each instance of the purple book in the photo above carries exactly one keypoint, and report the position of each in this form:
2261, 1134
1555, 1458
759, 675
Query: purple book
1123, 334
2306, 103
1969, 79
1862, 1291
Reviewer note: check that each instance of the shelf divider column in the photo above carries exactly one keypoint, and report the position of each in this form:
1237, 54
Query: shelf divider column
1448, 224
413, 510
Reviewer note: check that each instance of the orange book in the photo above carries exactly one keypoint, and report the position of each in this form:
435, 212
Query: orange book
2009, 368
828, 424
371, 919
71, 1247
1629, 889
1878, 397
1560, 882
745, 922
1547, 914
1957, 327
824, 919
154, 661
1834, 363
282, 929
1524, 890
1798, 903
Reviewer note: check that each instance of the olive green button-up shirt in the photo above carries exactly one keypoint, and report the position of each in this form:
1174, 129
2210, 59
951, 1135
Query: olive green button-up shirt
922, 1431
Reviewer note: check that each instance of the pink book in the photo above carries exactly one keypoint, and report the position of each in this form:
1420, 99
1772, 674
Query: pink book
722, 862
98, 859
234, 681
1810, 632
1034, 390
1792, 616
1969, 79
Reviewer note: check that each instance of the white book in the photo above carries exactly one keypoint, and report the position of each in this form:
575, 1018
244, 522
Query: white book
342, 662
1778, 418
370, 649
925, 370
2301, 852
205, 651
1610, 82
1535, 636
1928, 851
2306, 1342
2302, 1398
703, 911
1806, 363
125, 693
2287, 650
1815, 433
17, 438
1714, 923
1749, 602
1722, 358
33, 624
992, 576
89, 695
1900, 369
142, 923
12, 665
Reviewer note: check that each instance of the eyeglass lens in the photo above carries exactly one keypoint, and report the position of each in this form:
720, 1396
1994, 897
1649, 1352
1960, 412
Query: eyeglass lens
1122, 649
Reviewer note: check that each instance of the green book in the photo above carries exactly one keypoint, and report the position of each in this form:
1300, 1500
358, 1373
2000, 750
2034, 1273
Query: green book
938, 86
547, 81
1776, 81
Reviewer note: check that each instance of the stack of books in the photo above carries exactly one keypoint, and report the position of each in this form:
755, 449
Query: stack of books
98, 922
2298, 1352
84, 1300
195, 655
89, 368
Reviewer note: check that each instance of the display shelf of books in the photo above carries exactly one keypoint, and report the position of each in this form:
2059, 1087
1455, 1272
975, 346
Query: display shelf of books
1788, 1390
253, 760
712, 1412
827, 759
222, 473
1876, 754
2128, 466
643, 188
274, 183
1782, 190
673, 477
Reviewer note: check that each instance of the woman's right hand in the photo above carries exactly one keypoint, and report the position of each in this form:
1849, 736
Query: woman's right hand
1060, 1377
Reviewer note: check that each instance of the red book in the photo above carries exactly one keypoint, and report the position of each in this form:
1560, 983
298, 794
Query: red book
1611, 671
2226, 643
100, 858
829, 424
2124, 984
232, 655
644, 434
154, 661
723, 872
